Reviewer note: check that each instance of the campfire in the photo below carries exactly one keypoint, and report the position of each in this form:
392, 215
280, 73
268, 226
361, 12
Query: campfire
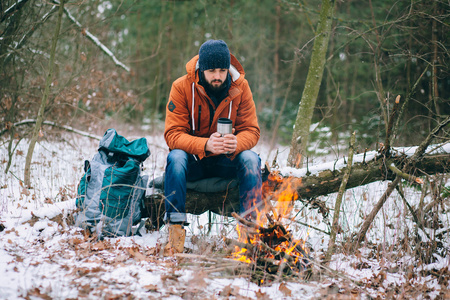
265, 243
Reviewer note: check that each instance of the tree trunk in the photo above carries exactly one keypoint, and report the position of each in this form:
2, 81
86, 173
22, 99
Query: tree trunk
307, 187
300, 135
276, 62
40, 116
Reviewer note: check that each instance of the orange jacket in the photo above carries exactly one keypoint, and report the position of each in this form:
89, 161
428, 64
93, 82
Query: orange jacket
188, 121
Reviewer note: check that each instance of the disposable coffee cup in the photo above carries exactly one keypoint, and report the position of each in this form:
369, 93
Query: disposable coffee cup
224, 126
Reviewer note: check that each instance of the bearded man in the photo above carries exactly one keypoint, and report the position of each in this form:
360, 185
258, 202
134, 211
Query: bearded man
214, 87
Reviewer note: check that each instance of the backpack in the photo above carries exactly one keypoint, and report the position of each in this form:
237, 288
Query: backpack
110, 193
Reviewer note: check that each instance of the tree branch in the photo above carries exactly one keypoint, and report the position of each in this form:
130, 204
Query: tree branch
410, 162
94, 39
337, 206
12, 9
49, 123
30, 32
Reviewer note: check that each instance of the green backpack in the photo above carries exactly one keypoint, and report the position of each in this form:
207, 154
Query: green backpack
110, 193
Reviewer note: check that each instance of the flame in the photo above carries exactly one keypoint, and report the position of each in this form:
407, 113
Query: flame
272, 216
240, 255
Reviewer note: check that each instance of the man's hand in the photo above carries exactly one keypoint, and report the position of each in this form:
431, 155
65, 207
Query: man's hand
221, 145
230, 143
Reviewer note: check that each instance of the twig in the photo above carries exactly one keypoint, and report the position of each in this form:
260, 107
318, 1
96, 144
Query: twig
410, 162
410, 178
312, 227
30, 32
392, 116
196, 256
220, 269
411, 210
247, 246
337, 207
423, 146
12, 9
407, 99
246, 222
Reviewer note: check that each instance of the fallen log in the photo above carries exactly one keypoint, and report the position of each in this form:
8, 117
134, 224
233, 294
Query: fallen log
307, 187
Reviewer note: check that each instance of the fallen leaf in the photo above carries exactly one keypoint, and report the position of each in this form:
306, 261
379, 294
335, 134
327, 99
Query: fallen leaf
37, 293
285, 290
227, 291
25, 192
99, 246
262, 296
137, 255
151, 288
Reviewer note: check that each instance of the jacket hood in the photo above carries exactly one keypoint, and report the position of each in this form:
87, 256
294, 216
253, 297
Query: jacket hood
236, 70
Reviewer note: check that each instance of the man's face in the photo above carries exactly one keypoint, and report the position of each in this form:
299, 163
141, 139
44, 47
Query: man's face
216, 78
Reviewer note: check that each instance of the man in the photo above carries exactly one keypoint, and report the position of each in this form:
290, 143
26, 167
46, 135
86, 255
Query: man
214, 87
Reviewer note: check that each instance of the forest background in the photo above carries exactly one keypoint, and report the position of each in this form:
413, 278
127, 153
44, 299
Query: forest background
112, 64
377, 50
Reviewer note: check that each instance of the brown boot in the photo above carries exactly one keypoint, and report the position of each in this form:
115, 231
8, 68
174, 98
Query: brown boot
177, 235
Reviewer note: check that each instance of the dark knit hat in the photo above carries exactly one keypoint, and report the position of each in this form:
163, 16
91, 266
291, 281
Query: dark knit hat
214, 54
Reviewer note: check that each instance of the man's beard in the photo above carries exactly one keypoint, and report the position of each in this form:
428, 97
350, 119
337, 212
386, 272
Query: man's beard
216, 88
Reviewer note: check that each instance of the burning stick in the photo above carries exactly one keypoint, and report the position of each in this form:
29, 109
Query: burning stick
249, 247
246, 222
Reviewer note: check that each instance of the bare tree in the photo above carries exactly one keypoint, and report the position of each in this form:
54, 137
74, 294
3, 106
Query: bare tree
40, 115
300, 135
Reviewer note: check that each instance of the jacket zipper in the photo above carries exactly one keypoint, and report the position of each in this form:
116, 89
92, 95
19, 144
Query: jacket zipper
212, 111
199, 116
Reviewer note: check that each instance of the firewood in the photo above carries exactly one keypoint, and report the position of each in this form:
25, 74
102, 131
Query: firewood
241, 245
245, 222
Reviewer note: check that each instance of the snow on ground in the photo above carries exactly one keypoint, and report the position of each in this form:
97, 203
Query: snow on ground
43, 256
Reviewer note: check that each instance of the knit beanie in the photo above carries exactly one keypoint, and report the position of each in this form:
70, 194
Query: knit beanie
214, 54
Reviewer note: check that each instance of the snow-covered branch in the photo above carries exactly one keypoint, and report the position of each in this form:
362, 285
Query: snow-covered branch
30, 33
12, 9
49, 123
94, 39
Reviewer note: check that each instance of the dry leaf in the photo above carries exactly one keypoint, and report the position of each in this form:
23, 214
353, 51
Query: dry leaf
99, 246
25, 192
285, 290
37, 293
262, 296
198, 281
227, 291
137, 255
151, 288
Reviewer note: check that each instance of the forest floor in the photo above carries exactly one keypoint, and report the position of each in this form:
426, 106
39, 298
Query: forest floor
43, 256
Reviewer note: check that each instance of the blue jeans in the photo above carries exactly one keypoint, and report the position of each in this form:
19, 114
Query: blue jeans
182, 167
